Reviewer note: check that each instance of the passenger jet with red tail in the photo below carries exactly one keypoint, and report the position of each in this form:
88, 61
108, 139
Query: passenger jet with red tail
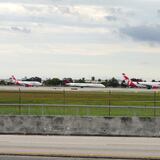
148, 85
26, 83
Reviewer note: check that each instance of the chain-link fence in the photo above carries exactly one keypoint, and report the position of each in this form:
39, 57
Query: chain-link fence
78, 110
80, 103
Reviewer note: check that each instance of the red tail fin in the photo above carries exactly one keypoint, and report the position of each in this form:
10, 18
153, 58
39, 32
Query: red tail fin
128, 81
13, 78
125, 77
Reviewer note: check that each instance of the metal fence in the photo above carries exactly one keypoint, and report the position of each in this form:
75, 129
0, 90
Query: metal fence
80, 103
78, 110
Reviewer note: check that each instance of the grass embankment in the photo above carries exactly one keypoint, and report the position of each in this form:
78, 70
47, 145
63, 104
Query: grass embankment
128, 99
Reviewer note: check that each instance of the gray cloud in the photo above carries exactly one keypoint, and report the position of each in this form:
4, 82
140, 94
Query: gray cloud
119, 14
111, 18
118, 11
15, 29
143, 33
21, 29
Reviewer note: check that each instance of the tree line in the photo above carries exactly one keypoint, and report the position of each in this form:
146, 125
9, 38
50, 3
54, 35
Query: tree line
113, 82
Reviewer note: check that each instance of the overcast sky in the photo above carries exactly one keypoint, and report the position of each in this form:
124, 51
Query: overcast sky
80, 38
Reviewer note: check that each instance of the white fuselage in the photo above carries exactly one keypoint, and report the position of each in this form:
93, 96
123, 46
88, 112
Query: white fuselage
146, 84
85, 85
30, 83
152, 84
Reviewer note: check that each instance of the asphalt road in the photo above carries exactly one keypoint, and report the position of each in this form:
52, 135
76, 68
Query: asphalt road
77, 146
46, 158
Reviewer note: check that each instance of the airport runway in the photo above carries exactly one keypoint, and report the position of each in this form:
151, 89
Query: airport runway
80, 146
41, 88
47, 158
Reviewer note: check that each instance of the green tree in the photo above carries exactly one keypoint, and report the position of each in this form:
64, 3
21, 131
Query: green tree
105, 83
123, 84
80, 81
2, 82
113, 82
52, 82
93, 78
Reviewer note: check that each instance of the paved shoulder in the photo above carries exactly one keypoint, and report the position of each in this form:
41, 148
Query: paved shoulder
76, 146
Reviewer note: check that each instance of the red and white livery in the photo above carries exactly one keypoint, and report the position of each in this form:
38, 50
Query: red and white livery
148, 85
26, 83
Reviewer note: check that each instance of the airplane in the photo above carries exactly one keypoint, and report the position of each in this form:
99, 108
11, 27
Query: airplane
26, 83
85, 85
148, 85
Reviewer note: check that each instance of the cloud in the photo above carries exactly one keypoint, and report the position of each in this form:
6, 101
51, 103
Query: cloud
89, 12
43, 10
69, 30
111, 18
20, 29
80, 49
64, 14
119, 13
15, 29
146, 33
11, 8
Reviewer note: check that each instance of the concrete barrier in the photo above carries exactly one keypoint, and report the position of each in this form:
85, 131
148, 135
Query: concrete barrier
68, 125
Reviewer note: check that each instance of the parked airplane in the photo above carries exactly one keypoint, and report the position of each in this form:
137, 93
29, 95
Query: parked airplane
148, 85
26, 83
85, 85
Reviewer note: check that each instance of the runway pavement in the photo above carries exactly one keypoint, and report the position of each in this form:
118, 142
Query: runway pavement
46, 158
80, 146
41, 88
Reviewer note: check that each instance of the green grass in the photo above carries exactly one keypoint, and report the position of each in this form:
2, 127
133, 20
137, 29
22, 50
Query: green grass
127, 99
